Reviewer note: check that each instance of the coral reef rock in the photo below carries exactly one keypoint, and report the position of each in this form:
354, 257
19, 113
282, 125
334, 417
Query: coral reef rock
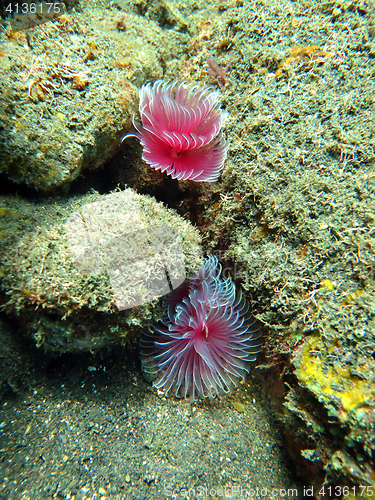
89, 271
68, 91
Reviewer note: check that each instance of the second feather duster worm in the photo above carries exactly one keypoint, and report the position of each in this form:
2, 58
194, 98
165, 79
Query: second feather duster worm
205, 345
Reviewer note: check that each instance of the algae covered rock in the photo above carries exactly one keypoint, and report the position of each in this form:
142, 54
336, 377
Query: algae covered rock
296, 215
91, 273
336, 367
68, 89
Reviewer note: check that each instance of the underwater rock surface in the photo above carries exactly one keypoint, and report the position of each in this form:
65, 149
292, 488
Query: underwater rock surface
294, 208
80, 281
295, 212
68, 90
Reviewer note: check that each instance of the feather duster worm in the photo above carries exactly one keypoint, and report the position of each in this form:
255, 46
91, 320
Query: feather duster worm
206, 343
180, 130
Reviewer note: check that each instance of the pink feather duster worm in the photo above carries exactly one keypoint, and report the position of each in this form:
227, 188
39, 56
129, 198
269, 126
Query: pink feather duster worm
206, 343
180, 130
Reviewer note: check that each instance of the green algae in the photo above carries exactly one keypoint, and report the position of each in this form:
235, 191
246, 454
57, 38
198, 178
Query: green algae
68, 90
65, 307
295, 213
